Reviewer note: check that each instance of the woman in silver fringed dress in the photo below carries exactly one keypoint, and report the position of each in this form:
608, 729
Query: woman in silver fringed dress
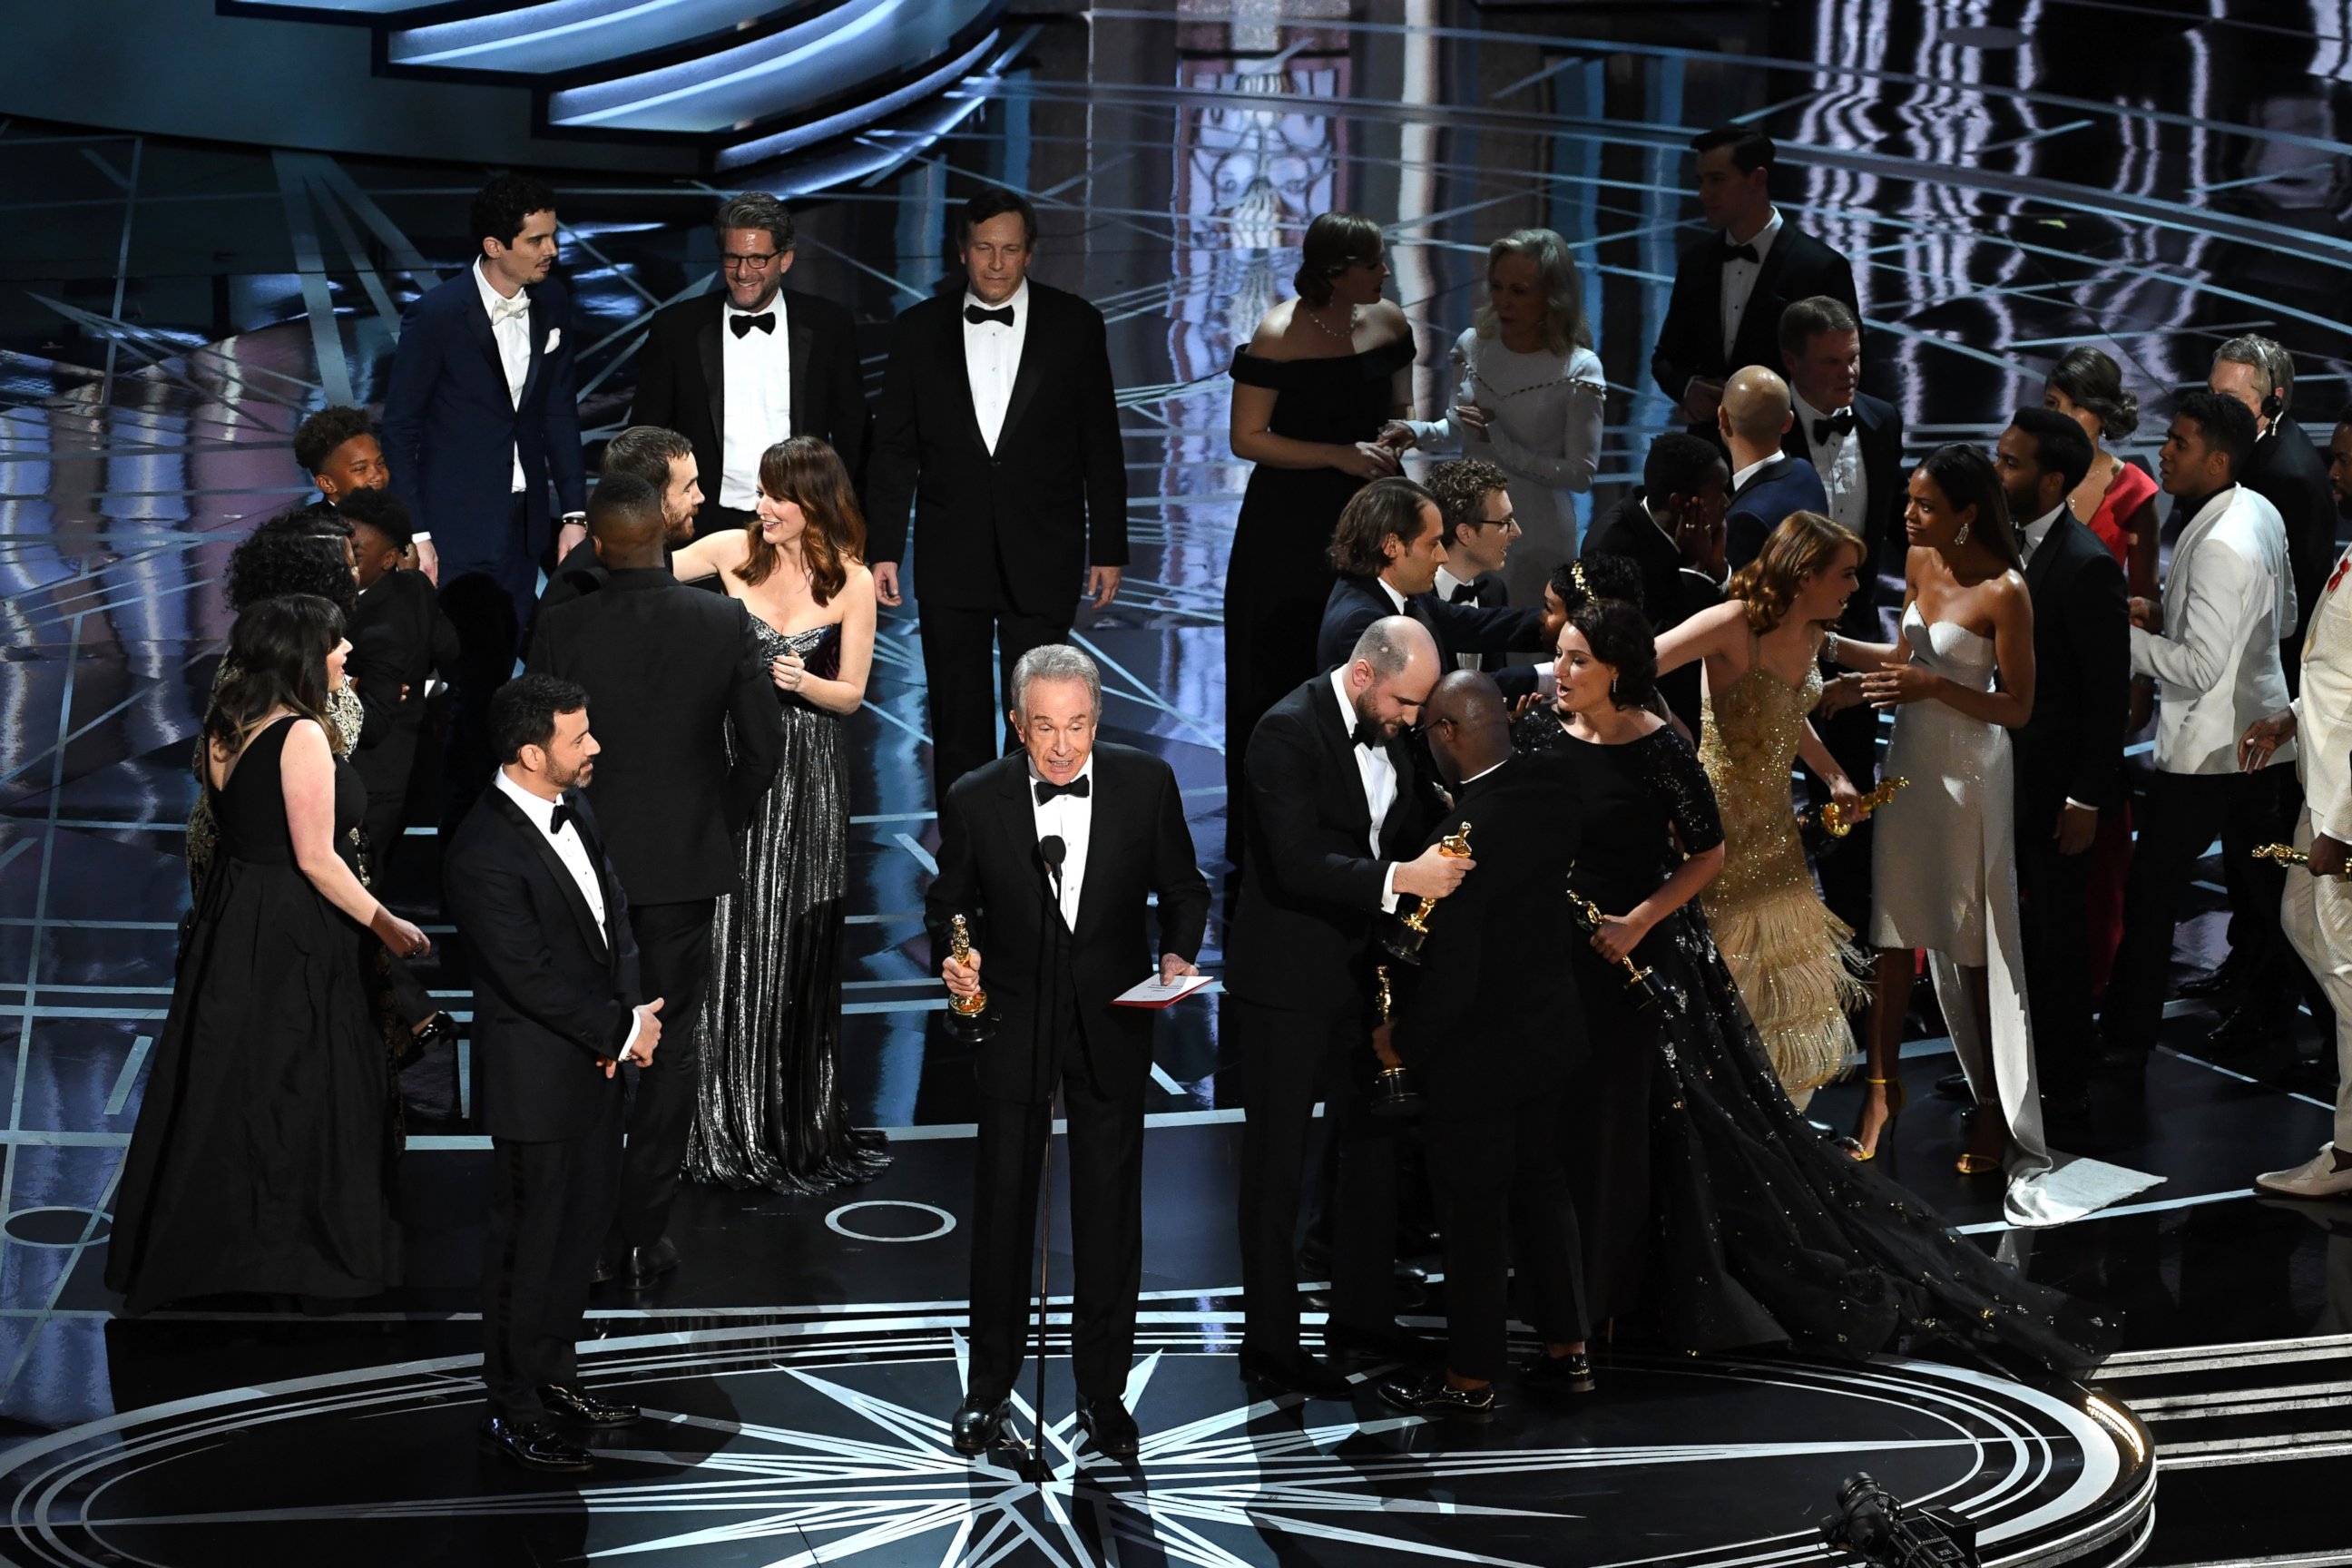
769, 1112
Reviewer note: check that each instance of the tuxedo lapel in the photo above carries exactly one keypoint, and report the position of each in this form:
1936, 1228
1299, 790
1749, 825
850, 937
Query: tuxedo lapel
711, 353
589, 925
800, 349
956, 373
1031, 370
2039, 565
538, 327
477, 325
1340, 743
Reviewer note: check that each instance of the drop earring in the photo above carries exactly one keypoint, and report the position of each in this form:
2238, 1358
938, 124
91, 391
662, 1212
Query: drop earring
1961, 537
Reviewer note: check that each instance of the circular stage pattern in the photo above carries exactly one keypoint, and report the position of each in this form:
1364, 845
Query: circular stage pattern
789, 1445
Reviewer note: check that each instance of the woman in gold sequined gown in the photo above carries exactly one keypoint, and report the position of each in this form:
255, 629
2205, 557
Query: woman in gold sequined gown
1795, 961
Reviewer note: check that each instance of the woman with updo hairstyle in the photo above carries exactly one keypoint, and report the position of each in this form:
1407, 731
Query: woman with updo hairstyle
262, 1155
1527, 395
1319, 377
2116, 499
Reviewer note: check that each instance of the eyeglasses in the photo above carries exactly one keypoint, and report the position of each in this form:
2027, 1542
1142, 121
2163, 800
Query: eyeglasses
761, 263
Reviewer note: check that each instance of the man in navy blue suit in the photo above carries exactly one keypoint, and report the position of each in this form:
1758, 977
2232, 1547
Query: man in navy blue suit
480, 423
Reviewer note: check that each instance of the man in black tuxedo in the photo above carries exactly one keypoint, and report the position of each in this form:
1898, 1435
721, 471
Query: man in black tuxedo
739, 369
1729, 291
1388, 547
1336, 813
661, 459
1052, 855
1477, 527
480, 421
1768, 483
2070, 755
1854, 443
1000, 424
555, 1014
2287, 470
1492, 1056
672, 672
1671, 529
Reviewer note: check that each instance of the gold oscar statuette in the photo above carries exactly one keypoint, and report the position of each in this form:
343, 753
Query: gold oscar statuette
1833, 815
1648, 990
1403, 938
968, 1017
1393, 1094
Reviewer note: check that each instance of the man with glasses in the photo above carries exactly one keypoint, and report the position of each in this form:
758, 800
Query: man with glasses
737, 370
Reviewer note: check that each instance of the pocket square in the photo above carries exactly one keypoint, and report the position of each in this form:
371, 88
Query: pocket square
554, 336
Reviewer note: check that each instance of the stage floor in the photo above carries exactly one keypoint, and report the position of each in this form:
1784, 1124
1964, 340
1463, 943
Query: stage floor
2142, 177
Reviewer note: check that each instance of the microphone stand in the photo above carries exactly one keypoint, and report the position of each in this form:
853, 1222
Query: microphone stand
1037, 1468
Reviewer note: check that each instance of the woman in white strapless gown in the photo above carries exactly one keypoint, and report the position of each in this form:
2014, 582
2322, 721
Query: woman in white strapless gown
1943, 870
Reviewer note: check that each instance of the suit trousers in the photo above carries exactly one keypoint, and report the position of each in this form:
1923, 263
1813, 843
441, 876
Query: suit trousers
1106, 1207
2181, 815
1502, 1197
2316, 913
489, 602
1852, 737
968, 708
1291, 1060
2051, 890
550, 1203
673, 963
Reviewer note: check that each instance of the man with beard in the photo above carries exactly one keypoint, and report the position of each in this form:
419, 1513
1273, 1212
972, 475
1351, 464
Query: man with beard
661, 459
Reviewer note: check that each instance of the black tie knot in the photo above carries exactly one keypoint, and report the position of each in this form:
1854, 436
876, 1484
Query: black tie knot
564, 818
1368, 735
976, 314
1742, 253
1077, 789
743, 325
1463, 592
1838, 424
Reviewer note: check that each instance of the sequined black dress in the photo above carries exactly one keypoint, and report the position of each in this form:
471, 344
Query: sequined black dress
769, 1112
1756, 1229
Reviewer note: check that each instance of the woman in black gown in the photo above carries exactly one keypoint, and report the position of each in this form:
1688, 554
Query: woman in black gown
1321, 376
261, 1160
1756, 1229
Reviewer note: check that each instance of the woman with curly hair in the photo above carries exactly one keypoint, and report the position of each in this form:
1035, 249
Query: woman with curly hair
1795, 961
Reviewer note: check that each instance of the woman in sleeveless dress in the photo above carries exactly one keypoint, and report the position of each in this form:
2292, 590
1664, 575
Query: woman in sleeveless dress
262, 1157
1321, 376
1528, 390
1794, 961
771, 1110
1943, 870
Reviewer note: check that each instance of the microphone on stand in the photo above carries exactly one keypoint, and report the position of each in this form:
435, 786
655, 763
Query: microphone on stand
1051, 852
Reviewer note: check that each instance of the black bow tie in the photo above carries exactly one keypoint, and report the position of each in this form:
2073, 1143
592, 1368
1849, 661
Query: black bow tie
1742, 253
1841, 423
564, 817
1462, 590
765, 321
1368, 735
975, 315
1077, 789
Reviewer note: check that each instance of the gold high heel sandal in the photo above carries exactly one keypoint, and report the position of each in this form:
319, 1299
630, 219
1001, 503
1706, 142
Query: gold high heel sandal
1896, 1098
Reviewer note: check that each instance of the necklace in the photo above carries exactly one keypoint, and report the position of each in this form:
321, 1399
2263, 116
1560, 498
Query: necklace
1347, 337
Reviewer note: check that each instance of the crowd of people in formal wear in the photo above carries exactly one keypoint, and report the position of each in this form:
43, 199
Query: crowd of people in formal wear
1602, 849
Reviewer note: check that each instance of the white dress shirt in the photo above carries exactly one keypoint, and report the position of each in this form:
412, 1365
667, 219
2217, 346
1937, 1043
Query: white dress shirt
1738, 480
2323, 712
1838, 461
2031, 536
2226, 598
1073, 819
756, 399
1739, 278
1379, 778
1446, 583
511, 329
991, 358
573, 850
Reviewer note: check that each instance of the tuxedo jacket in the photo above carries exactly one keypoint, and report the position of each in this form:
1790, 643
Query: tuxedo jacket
1356, 602
1476, 1028
399, 638
451, 430
1138, 847
2072, 746
1671, 591
1879, 428
553, 991
2287, 471
682, 380
1021, 522
679, 698
2228, 597
1690, 340
1786, 484
1301, 936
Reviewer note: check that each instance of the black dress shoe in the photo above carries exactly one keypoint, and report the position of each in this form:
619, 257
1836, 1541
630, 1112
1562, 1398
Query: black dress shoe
641, 1266
606, 1267
1954, 1086
1295, 1371
1111, 1428
533, 1445
2246, 1029
978, 1424
1373, 1344
1428, 1393
1559, 1374
2222, 982
579, 1404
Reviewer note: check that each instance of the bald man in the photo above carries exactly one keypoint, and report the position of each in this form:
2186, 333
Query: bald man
1332, 841
1767, 482
668, 669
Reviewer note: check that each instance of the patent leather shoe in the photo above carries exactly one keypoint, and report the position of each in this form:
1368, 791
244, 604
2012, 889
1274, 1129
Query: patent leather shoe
641, 1266
1295, 1371
533, 1445
1111, 1428
1429, 1394
979, 1423
579, 1406
1559, 1374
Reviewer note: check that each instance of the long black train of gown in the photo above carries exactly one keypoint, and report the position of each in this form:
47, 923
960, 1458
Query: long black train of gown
1758, 1229
261, 1160
1279, 573
769, 1110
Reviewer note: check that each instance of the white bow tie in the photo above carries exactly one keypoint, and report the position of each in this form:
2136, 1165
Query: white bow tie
506, 311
